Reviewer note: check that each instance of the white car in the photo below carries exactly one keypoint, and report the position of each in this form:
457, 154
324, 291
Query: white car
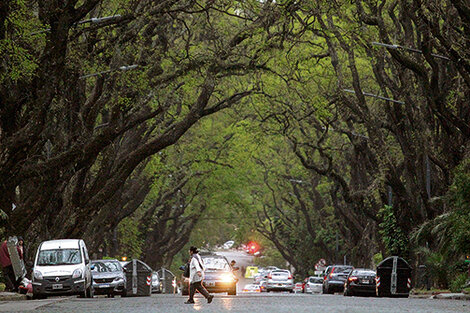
229, 244
62, 267
251, 288
314, 285
280, 280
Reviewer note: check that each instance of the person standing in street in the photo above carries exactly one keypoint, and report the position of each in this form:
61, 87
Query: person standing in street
7, 268
196, 276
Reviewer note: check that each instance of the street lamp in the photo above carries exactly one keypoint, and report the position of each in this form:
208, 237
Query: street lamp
375, 96
408, 49
122, 68
94, 20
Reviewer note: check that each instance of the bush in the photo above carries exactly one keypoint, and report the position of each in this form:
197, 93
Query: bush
458, 283
377, 258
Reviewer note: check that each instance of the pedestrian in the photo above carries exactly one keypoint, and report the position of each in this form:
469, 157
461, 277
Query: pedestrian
7, 268
196, 276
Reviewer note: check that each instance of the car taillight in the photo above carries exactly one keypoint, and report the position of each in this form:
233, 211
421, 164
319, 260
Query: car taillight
270, 276
290, 277
352, 278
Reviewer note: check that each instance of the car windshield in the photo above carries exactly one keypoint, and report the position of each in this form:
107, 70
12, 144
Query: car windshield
59, 257
219, 264
106, 266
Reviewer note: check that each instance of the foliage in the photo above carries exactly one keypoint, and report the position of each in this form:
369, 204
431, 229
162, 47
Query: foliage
130, 244
457, 284
378, 257
395, 240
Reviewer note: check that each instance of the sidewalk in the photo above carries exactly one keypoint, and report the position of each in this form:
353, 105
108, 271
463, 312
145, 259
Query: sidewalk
11, 296
442, 295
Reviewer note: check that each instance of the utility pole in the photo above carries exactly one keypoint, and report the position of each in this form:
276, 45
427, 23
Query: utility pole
428, 175
337, 247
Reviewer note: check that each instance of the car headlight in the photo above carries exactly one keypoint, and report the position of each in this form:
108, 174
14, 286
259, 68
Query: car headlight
118, 279
38, 275
226, 278
77, 273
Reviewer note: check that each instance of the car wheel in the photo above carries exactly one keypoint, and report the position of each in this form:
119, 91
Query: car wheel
328, 290
90, 292
83, 293
39, 296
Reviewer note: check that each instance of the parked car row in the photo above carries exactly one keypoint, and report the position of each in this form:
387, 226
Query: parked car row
392, 278
63, 267
273, 279
342, 278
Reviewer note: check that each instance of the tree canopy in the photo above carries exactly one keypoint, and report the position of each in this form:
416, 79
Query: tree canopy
324, 129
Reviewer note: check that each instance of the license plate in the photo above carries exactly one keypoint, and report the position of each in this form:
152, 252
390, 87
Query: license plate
210, 284
365, 281
57, 286
103, 286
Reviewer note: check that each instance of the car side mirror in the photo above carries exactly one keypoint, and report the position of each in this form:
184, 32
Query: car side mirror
92, 267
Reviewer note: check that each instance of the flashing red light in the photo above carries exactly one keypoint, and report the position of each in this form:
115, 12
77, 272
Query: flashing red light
352, 278
290, 277
253, 247
270, 276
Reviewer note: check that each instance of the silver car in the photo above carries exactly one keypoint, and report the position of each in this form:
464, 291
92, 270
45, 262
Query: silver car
108, 278
314, 285
280, 280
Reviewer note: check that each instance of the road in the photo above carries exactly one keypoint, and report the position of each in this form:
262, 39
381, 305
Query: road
272, 302
278, 302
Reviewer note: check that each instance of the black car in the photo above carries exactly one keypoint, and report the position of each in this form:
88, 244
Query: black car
360, 282
218, 276
335, 276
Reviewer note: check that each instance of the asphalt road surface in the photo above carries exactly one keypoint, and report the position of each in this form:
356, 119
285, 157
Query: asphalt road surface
266, 303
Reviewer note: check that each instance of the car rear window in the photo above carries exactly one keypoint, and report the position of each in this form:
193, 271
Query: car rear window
343, 269
316, 280
368, 273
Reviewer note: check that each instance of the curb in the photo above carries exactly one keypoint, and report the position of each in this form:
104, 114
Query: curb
12, 296
452, 296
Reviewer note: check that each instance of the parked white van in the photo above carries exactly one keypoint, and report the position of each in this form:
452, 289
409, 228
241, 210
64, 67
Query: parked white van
62, 267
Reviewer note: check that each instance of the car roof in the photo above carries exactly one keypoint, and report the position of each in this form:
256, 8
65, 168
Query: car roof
364, 270
60, 244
